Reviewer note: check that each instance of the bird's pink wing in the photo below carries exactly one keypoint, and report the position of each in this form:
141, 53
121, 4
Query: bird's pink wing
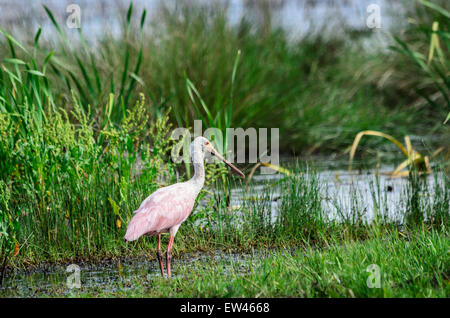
162, 210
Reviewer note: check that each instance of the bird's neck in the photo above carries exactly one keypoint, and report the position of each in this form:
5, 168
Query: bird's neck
199, 169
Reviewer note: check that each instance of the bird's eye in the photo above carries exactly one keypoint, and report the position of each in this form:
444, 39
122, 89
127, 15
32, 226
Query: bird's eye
207, 143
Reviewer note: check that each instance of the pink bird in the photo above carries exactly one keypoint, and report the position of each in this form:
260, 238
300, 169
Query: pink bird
166, 208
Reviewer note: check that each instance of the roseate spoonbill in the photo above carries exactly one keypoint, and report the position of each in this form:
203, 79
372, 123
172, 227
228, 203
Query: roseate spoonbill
166, 208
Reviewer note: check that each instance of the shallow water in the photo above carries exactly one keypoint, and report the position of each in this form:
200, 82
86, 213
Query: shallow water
342, 191
109, 277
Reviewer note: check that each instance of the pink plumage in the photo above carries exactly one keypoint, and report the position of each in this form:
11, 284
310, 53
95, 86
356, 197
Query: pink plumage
165, 209
162, 212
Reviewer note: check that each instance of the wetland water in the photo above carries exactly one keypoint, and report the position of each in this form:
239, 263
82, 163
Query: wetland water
299, 17
108, 277
340, 190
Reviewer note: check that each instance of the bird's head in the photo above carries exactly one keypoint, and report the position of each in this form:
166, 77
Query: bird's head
202, 146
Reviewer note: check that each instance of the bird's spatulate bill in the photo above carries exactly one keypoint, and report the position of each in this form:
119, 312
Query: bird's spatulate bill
236, 170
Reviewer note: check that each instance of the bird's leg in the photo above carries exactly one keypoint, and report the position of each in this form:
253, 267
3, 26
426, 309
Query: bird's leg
159, 255
169, 254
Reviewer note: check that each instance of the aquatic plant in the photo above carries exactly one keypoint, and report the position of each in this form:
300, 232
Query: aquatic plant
307, 85
414, 158
434, 64
80, 146
9, 227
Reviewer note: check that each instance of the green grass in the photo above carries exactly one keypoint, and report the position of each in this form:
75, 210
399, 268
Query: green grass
75, 125
83, 233
303, 253
416, 266
319, 90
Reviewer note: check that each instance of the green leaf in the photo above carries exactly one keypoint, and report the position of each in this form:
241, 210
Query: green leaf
10, 38
47, 58
15, 61
191, 88
447, 119
144, 14
129, 13
34, 72
436, 7
38, 35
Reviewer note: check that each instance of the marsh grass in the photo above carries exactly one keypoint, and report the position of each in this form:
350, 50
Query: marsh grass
427, 48
317, 88
301, 217
88, 228
305, 253
78, 153
415, 266
50, 178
